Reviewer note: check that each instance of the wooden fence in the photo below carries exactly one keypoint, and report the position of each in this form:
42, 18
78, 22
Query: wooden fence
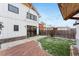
60, 33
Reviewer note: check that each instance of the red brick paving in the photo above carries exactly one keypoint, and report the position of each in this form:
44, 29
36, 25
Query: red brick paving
27, 49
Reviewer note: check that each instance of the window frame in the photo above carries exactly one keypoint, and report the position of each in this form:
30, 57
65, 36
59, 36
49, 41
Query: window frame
17, 9
16, 27
1, 25
35, 17
31, 16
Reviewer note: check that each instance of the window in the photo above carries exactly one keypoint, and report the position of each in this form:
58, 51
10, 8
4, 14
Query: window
28, 15
13, 9
31, 16
34, 17
1, 26
16, 27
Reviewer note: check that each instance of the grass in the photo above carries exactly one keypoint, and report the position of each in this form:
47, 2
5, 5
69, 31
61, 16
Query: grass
56, 46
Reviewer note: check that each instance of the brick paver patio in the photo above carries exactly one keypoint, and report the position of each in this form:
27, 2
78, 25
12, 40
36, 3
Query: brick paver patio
26, 49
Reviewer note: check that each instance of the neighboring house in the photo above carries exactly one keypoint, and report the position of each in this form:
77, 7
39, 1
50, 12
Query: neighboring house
58, 28
63, 28
18, 21
49, 28
41, 28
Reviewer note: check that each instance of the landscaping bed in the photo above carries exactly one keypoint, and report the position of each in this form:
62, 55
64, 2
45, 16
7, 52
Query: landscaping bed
57, 46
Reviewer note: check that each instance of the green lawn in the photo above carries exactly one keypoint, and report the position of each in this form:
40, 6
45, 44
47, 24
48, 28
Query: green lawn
56, 46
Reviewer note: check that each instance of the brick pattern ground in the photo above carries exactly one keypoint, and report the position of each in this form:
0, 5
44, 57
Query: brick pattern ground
27, 49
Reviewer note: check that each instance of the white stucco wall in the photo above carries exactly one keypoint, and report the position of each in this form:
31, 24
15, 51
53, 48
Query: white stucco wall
22, 11
77, 31
8, 30
77, 34
10, 19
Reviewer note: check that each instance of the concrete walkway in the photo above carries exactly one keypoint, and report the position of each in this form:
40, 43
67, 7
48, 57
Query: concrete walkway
36, 37
14, 43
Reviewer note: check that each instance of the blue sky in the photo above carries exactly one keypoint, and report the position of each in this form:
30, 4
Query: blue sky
50, 14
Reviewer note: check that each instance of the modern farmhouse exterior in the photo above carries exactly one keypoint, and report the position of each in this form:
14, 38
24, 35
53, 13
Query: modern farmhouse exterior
18, 21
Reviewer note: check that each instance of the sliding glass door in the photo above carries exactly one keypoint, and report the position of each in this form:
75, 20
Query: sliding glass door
31, 31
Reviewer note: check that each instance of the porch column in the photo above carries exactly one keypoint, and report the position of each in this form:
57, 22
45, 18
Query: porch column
37, 29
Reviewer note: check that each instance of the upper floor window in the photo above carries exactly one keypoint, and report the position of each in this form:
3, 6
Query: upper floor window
34, 17
28, 15
31, 16
13, 9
